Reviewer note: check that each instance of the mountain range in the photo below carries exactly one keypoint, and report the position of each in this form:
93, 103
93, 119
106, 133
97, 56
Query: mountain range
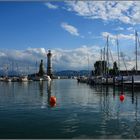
68, 73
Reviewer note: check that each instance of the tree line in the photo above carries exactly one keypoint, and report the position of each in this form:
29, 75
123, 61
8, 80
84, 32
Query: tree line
101, 68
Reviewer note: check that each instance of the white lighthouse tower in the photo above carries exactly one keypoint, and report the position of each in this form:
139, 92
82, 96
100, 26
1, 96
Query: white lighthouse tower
49, 64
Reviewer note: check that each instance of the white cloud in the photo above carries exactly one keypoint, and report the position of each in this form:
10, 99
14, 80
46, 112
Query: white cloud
96, 37
89, 32
62, 59
23, 58
120, 36
123, 36
36, 51
130, 29
51, 6
75, 59
126, 12
119, 29
2, 54
69, 28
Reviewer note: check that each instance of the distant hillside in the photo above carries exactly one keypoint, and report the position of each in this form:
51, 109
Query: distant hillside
68, 73
71, 73
10, 73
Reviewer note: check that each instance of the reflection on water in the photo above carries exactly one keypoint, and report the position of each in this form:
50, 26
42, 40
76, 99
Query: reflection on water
82, 111
122, 117
49, 84
41, 88
45, 95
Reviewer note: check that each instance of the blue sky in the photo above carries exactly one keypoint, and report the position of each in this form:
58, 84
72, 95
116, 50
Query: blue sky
74, 31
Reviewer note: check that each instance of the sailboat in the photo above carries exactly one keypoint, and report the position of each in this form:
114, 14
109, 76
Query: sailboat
135, 78
46, 78
6, 78
105, 78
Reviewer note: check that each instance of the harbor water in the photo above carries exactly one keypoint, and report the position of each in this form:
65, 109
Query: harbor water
81, 111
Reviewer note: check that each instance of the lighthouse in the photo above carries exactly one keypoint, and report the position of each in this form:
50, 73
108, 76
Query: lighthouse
49, 65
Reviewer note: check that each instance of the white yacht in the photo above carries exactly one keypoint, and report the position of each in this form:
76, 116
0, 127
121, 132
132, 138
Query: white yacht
23, 79
37, 78
46, 78
7, 79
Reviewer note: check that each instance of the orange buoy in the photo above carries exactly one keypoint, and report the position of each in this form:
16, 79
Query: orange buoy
52, 100
121, 98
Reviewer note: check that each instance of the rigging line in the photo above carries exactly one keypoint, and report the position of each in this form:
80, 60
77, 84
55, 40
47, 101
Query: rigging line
101, 62
107, 55
124, 63
138, 41
104, 48
104, 65
111, 55
117, 42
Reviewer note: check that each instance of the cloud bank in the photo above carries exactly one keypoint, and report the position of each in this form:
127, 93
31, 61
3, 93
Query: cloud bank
126, 12
80, 58
119, 36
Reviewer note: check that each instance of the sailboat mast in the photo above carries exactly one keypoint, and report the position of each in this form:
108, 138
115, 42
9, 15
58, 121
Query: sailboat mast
88, 66
118, 54
101, 64
104, 63
136, 49
107, 57
101, 54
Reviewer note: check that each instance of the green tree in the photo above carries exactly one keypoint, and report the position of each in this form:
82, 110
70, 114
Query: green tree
114, 71
100, 67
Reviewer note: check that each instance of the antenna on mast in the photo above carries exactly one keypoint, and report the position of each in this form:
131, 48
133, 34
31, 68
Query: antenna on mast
136, 35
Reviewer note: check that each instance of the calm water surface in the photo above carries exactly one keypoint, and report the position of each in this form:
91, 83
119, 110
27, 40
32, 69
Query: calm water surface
81, 111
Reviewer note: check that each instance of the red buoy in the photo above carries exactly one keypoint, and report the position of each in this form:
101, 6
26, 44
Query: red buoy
52, 100
121, 98
52, 104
